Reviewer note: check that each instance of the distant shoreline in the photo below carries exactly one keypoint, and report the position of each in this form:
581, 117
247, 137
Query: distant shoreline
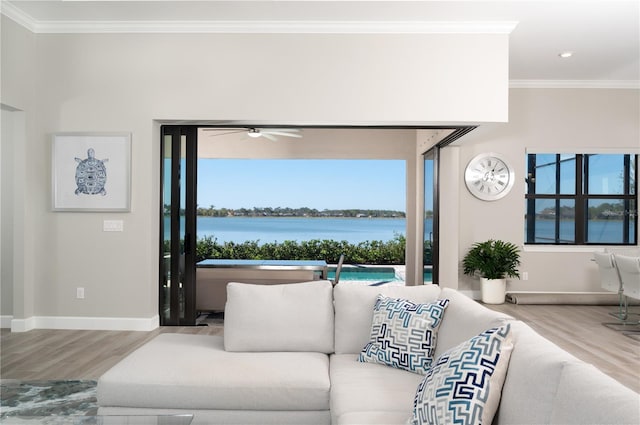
304, 212
304, 217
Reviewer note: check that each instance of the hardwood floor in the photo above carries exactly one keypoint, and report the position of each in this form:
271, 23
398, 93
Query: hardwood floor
62, 354
58, 354
579, 330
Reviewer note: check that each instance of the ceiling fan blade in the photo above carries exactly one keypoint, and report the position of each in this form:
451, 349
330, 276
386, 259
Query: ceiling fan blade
268, 136
254, 132
282, 133
284, 130
222, 131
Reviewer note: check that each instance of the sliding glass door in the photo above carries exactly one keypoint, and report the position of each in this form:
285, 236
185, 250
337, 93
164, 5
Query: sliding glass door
178, 226
431, 222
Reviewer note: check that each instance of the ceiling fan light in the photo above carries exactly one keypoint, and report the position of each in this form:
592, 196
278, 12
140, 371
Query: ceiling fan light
254, 132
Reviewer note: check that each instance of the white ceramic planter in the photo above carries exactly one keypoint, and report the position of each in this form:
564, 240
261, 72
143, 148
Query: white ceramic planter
493, 290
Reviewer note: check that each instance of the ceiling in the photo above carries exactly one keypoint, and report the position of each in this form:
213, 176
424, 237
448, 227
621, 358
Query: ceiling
604, 35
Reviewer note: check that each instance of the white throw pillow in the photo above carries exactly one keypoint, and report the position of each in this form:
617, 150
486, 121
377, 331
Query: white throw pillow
287, 317
404, 334
464, 385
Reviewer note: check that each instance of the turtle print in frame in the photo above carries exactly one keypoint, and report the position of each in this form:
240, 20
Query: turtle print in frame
91, 175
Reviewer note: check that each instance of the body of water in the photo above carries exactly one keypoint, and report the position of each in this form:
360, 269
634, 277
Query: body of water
356, 230
599, 231
279, 229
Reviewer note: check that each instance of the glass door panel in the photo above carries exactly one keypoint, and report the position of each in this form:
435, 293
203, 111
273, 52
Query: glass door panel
431, 227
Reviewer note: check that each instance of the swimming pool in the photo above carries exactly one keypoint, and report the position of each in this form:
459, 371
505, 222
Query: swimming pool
371, 274
364, 273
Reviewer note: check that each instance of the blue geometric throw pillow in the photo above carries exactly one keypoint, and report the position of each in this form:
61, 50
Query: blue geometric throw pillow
464, 385
403, 333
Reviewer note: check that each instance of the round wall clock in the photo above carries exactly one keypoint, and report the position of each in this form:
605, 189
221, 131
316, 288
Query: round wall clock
488, 176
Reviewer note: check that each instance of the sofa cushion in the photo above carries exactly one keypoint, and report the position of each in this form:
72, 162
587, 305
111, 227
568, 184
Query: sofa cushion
288, 317
369, 387
403, 333
535, 368
113, 416
377, 417
182, 371
465, 383
618, 404
354, 310
465, 318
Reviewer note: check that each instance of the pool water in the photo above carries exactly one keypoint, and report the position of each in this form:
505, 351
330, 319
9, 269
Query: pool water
364, 273
376, 274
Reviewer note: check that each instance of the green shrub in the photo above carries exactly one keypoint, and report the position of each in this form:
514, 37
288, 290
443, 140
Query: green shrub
368, 252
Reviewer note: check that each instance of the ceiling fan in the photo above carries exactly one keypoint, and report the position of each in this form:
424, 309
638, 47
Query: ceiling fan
255, 132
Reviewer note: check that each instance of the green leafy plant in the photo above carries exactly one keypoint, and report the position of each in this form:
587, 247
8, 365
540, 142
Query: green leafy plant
492, 259
366, 252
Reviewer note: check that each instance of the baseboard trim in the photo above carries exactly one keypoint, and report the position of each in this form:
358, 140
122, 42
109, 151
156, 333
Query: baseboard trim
569, 298
23, 325
5, 321
86, 323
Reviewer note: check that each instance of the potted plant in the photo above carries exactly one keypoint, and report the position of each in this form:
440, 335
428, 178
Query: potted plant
494, 261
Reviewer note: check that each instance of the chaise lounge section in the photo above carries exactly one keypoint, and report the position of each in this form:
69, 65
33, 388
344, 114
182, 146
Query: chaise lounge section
290, 355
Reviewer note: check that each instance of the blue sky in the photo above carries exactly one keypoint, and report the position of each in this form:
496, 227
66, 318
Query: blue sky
320, 184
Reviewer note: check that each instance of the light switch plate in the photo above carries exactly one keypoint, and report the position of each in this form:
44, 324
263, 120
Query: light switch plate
113, 226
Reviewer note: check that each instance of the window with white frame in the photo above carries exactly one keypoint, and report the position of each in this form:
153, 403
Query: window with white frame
581, 199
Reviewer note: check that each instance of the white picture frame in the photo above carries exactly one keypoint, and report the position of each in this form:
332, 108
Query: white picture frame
91, 172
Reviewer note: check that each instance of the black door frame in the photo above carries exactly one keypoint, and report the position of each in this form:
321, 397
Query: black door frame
437, 149
182, 298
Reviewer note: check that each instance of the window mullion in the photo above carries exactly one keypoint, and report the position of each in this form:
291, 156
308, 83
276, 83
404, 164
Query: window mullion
531, 202
557, 203
582, 180
627, 202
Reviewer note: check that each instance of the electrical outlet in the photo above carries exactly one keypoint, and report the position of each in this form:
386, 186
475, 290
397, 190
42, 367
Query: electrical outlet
80, 293
113, 226
524, 275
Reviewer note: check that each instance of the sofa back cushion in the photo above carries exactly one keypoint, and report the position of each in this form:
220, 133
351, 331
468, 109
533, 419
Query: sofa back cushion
585, 395
288, 317
354, 310
464, 319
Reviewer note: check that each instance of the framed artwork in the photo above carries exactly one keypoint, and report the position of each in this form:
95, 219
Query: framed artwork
91, 171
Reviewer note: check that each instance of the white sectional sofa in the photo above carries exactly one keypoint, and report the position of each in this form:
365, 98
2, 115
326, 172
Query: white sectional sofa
289, 355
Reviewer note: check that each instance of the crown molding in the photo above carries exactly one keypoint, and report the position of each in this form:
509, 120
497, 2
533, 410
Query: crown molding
279, 27
18, 16
574, 84
257, 27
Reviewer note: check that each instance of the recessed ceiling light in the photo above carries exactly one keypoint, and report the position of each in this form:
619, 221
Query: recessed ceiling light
565, 55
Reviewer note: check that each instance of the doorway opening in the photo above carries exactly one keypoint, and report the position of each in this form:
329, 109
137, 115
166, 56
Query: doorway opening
218, 181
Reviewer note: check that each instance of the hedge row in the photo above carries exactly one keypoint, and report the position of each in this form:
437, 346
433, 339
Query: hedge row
368, 252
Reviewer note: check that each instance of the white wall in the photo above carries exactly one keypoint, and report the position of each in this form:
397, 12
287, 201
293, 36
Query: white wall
131, 82
6, 213
19, 243
541, 119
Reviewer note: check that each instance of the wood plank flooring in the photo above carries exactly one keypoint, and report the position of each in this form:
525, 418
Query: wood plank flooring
579, 330
70, 354
61, 354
